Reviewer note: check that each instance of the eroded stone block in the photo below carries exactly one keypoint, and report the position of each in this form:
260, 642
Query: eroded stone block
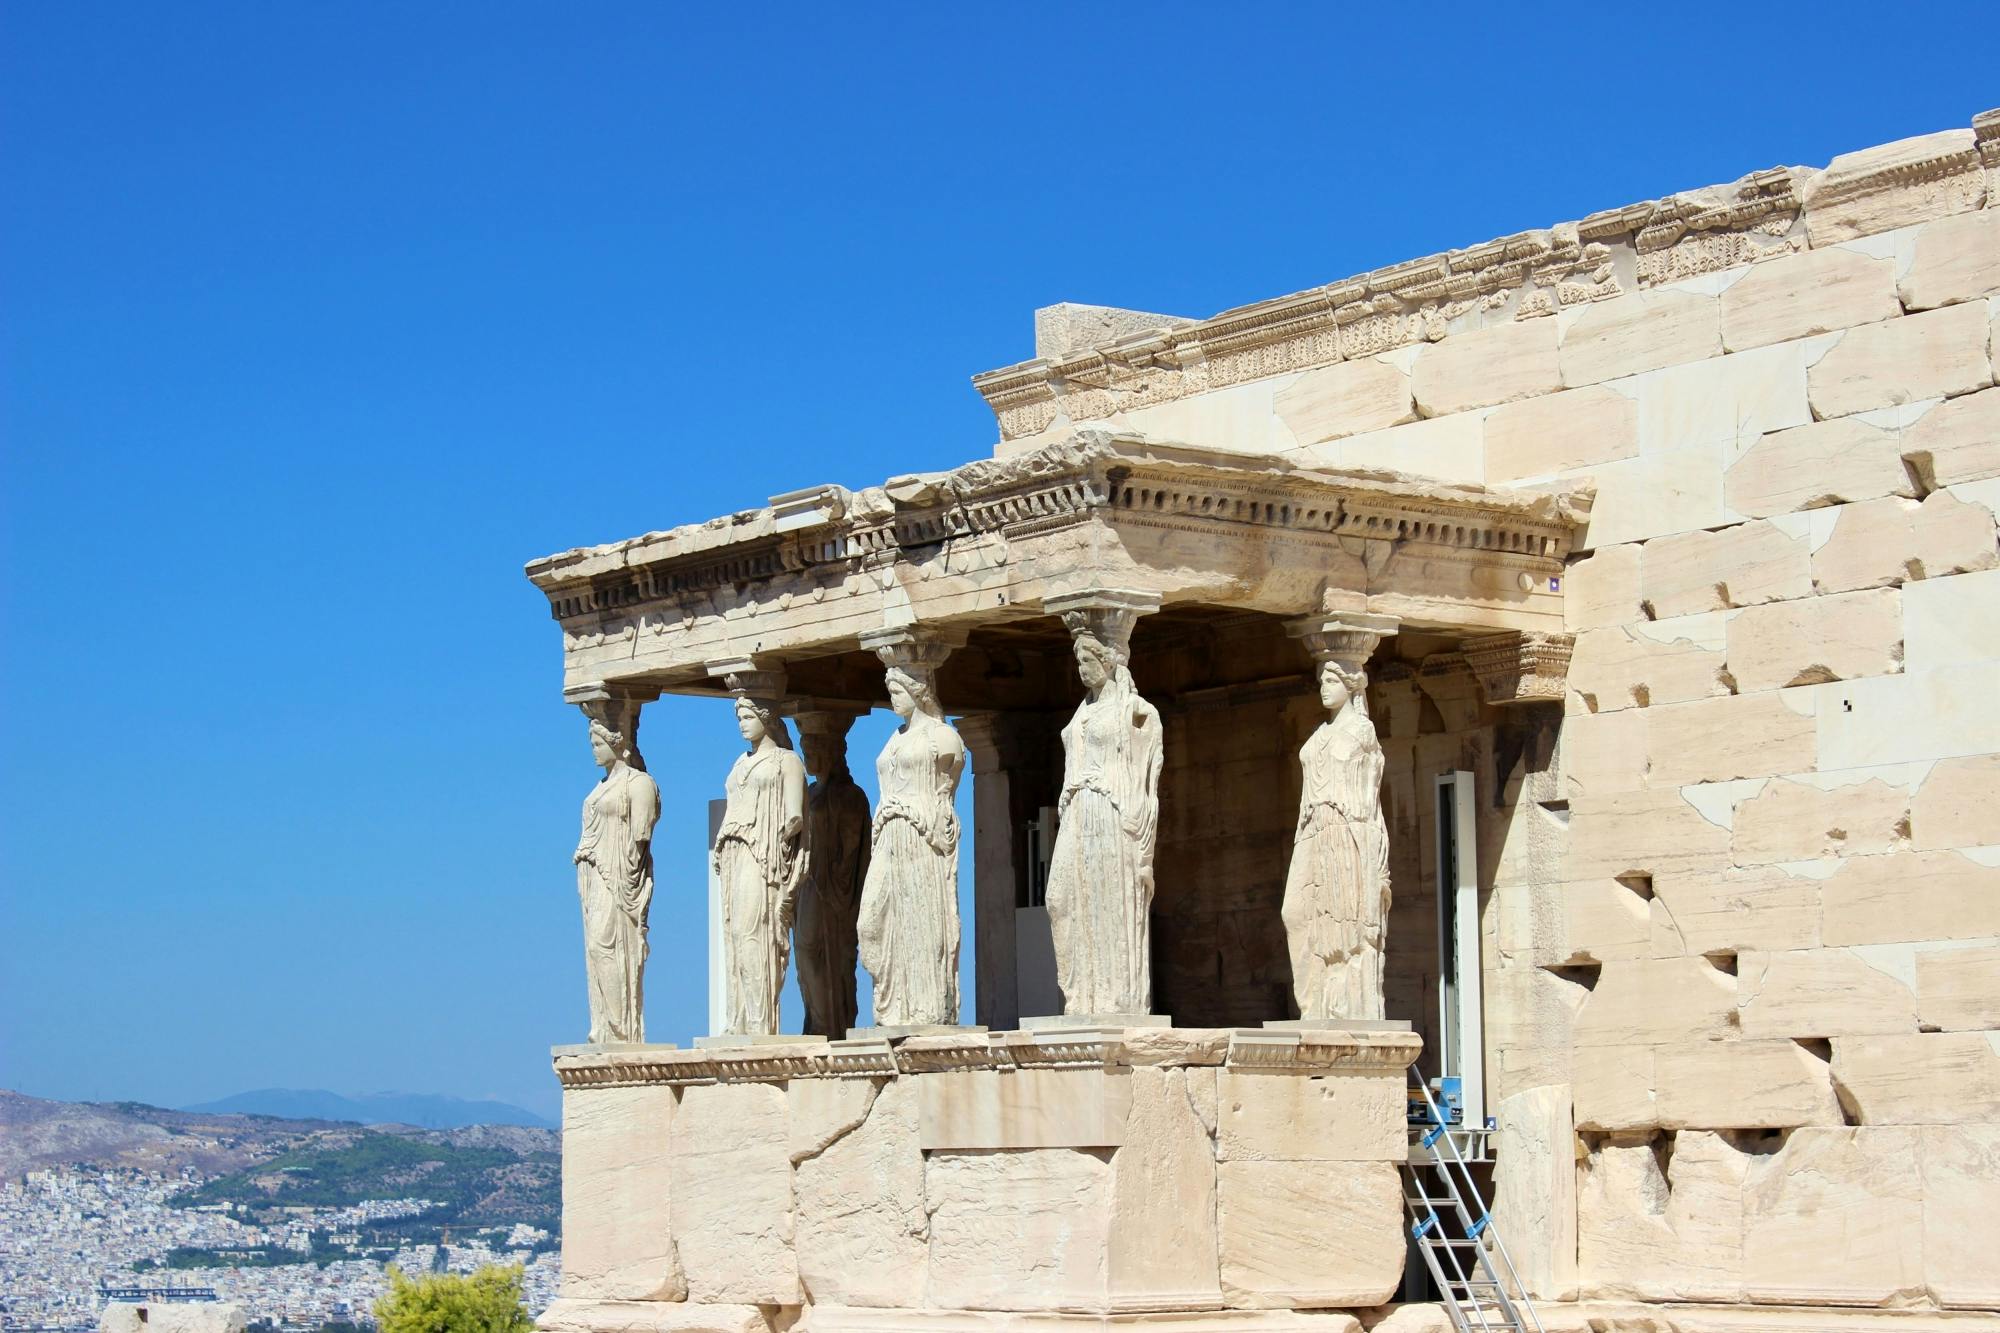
1743, 1085
1646, 1002
1638, 332
1735, 910
1909, 896
1018, 1230
1163, 1248
1604, 921
617, 1180
1310, 1235
1327, 1118
1933, 355
1347, 398
1025, 1108
1737, 736
1957, 259
1892, 540
1740, 565
1629, 666
1819, 993
1542, 437
1604, 753
1640, 832
1925, 1078
1960, 1179
1957, 441
1959, 989
1952, 621
1836, 1217
1816, 639
1613, 1088
1534, 1190
1795, 821
731, 1198
1661, 1218
1817, 291
1487, 366
862, 1226
1810, 467
1602, 588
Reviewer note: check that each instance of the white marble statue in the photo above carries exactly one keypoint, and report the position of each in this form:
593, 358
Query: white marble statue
760, 856
909, 903
837, 834
614, 879
1336, 906
1100, 891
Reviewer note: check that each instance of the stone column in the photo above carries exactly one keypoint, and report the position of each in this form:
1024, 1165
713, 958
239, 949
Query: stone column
909, 930
614, 866
1101, 879
759, 853
837, 835
996, 873
1336, 905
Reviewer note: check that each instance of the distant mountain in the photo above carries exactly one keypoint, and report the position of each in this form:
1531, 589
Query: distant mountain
35, 1133
424, 1110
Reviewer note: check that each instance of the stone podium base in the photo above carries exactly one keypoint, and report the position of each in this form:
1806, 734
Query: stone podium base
572, 1316
1209, 1179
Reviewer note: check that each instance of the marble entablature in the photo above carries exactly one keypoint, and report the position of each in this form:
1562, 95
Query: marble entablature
990, 541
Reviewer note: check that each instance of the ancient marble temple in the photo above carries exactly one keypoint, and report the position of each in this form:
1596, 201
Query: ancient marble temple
1559, 670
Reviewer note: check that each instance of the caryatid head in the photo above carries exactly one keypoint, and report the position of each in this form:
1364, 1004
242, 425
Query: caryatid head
614, 733
823, 741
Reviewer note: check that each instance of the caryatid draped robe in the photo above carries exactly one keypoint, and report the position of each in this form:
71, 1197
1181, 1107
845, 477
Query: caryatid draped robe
614, 879
909, 903
759, 868
1336, 905
837, 833
1100, 892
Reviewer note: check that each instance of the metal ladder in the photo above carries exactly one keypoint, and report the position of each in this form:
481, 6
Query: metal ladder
1454, 1232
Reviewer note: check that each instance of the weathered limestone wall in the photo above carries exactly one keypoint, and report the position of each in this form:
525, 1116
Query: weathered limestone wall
1743, 924
972, 1181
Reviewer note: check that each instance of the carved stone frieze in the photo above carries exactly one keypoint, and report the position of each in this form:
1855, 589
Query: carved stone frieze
1533, 273
990, 512
1109, 1048
1519, 668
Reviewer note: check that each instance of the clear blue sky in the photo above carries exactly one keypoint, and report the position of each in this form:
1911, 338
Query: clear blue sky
316, 321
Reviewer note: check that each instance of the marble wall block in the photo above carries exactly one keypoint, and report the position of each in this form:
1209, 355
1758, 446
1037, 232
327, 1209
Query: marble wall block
1276, 1219
732, 1195
617, 1186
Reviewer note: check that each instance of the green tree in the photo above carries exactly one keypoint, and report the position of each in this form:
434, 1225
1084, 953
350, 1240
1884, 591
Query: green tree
489, 1301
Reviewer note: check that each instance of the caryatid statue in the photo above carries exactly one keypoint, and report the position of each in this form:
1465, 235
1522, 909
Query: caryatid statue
1100, 890
1336, 906
909, 901
837, 834
614, 873
760, 857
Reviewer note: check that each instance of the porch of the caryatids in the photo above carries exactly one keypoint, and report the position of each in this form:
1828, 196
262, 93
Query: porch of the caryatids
760, 851
1100, 889
1336, 903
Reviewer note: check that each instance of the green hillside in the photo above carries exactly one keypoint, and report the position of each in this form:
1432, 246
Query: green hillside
472, 1185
